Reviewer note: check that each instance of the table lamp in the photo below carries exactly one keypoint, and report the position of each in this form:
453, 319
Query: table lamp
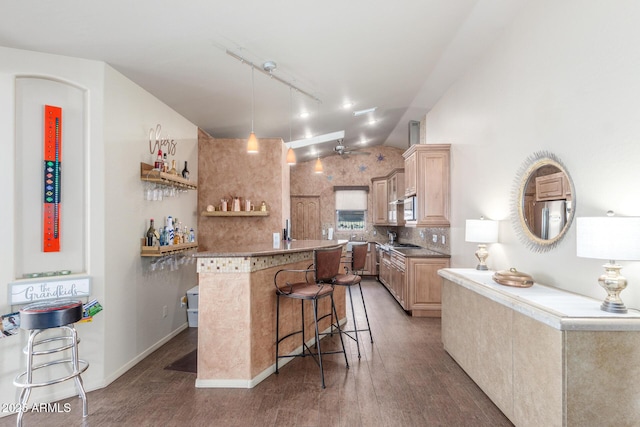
614, 239
481, 231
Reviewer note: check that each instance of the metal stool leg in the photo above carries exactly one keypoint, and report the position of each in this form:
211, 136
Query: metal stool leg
333, 306
355, 325
315, 319
365, 312
76, 370
277, 329
26, 391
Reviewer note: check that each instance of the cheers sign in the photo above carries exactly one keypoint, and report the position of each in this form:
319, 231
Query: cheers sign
24, 293
156, 142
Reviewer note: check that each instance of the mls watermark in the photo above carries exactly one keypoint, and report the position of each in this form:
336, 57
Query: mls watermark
35, 407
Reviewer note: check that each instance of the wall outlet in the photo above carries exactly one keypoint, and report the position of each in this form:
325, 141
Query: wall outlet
165, 311
435, 238
444, 240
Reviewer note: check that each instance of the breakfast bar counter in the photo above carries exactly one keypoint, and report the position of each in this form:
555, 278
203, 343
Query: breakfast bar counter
236, 310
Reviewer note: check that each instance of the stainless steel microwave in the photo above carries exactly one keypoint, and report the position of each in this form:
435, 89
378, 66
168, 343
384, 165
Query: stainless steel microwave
410, 209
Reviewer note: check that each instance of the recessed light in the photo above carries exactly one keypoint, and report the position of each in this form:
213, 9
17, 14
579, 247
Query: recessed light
361, 112
372, 121
304, 114
347, 105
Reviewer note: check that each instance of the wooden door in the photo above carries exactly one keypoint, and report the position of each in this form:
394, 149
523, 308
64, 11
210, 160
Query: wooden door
305, 218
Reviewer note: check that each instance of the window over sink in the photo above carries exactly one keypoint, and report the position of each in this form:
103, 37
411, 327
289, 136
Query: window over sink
351, 220
351, 208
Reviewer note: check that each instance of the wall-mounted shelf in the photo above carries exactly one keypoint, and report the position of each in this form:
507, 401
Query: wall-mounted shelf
147, 173
167, 250
236, 213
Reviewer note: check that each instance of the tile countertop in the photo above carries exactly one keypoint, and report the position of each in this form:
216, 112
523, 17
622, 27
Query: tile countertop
555, 307
265, 249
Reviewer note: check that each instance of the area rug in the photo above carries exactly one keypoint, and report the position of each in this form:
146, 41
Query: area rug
187, 363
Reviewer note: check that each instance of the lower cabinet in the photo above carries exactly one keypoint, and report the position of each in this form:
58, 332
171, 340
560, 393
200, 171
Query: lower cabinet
413, 282
424, 286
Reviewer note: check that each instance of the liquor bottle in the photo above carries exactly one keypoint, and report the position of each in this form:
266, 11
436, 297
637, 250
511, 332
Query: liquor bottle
192, 236
170, 231
151, 233
173, 170
165, 163
163, 236
177, 232
185, 171
158, 164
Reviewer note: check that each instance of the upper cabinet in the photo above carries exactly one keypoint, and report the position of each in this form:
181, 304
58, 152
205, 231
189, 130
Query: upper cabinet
379, 201
410, 178
429, 166
554, 186
395, 187
387, 190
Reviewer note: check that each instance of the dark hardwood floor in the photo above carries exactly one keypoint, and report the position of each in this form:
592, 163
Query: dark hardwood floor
404, 378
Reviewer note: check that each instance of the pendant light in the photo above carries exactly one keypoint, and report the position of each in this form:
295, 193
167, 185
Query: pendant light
291, 155
318, 167
252, 143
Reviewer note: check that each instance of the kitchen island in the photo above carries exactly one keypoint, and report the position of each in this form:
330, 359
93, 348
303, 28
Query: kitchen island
237, 304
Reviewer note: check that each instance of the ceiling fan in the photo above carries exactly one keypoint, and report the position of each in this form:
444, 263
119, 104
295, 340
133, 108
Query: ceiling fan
344, 151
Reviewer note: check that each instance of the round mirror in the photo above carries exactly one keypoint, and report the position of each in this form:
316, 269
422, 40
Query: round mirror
544, 202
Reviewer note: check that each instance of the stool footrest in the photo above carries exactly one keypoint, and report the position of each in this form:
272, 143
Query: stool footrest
25, 350
20, 381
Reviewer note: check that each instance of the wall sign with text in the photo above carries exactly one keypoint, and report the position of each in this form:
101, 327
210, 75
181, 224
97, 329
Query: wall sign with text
26, 293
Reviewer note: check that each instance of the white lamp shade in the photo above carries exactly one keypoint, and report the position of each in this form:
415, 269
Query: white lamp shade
481, 231
611, 238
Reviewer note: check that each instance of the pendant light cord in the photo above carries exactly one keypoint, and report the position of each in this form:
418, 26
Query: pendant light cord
252, 97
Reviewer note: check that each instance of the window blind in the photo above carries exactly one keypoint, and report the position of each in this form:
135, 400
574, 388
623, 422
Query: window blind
351, 200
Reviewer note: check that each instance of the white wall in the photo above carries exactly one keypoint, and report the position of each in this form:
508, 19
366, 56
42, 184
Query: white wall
118, 117
562, 78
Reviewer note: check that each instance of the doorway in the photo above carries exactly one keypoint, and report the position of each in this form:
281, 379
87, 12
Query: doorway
305, 217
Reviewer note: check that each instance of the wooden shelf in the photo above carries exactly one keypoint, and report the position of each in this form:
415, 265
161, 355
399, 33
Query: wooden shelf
236, 213
147, 173
167, 250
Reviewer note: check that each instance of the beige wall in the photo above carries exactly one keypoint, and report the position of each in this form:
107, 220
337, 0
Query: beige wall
563, 77
226, 169
352, 170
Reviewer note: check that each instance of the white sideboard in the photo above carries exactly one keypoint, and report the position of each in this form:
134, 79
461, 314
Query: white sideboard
546, 357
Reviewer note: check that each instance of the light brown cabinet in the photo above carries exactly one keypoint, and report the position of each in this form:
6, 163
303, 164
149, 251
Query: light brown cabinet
413, 282
432, 172
379, 201
387, 189
425, 286
410, 176
551, 187
395, 187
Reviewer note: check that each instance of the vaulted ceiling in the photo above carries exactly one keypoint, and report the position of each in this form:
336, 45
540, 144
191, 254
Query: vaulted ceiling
398, 56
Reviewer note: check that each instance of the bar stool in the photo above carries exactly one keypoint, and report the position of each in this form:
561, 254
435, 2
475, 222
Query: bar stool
41, 316
355, 264
325, 267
